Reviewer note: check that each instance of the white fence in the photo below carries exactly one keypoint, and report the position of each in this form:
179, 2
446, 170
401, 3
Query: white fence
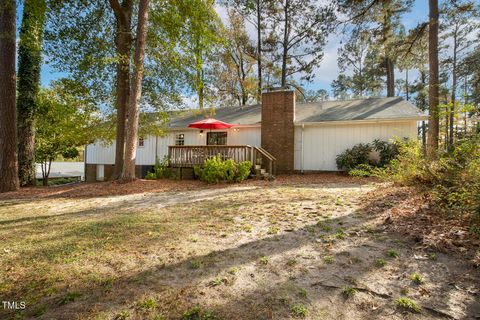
64, 169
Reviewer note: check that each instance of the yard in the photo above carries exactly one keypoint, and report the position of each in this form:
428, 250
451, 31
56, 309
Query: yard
316, 247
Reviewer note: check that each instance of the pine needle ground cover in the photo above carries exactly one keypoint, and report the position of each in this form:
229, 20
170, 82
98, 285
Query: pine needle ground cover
282, 249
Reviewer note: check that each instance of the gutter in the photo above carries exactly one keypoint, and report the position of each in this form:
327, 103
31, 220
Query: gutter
334, 122
156, 149
85, 163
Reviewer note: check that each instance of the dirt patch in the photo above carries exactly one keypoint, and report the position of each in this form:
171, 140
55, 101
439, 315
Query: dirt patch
112, 188
301, 247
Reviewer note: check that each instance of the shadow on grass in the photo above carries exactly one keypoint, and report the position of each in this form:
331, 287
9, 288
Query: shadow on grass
131, 287
87, 190
161, 200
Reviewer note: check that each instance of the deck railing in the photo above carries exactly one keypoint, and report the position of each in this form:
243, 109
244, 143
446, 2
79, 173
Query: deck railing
264, 159
189, 156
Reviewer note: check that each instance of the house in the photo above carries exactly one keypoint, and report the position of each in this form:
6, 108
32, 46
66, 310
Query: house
299, 137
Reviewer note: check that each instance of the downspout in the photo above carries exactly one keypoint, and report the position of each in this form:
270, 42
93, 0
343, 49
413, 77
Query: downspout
301, 150
85, 164
156, 148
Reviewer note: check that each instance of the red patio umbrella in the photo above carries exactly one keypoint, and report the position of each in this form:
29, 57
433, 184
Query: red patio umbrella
210, 123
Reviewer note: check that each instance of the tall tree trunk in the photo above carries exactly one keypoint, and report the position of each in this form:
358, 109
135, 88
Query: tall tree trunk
46, 172
424, 137
199, 80
123, 44
285, 45
454, 89
433, 88
390, 77
465, 101
244, 91
243, 77
389, 65
447, 121
259, 50
8, 128
406, 85
29, 64
128, 173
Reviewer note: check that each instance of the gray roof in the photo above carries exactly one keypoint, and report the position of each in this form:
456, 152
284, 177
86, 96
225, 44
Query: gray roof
341, 110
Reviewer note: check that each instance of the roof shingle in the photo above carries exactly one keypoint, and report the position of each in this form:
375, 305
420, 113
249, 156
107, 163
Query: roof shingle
341, 110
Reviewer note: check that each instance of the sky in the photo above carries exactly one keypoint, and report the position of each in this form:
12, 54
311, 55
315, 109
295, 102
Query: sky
324, 75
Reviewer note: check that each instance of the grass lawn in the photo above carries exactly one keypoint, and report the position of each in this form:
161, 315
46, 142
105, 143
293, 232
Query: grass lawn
314, 248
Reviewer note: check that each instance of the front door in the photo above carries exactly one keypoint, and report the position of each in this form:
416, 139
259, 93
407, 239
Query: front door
216, 138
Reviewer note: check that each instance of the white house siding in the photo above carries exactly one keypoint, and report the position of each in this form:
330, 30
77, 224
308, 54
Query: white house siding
323, 142
101, 153
104, 153
244, 136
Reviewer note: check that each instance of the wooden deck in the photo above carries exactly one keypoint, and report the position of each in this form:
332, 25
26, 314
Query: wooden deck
189, 156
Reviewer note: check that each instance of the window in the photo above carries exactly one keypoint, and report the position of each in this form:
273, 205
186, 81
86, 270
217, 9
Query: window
180, 139
216, 138
141, 142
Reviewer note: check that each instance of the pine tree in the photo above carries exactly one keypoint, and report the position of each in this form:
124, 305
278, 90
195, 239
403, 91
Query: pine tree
458, 24
360, 57
234, 71
8, 128
301, 28
433, 88
29, 64
381, 19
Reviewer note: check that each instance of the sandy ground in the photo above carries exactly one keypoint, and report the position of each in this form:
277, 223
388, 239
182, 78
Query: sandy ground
296, 248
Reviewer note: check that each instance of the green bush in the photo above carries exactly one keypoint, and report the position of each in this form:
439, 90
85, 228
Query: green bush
409, 165
387, 151
453, 180
362, 170
151, 176
160, 170
357, 160
230, 170
244, 168
215, 170
350, 158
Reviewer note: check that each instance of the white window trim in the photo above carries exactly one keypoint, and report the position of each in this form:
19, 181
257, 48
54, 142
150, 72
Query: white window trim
177, 135
138, 144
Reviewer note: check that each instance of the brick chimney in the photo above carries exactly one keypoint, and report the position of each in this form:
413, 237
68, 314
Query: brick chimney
278, 132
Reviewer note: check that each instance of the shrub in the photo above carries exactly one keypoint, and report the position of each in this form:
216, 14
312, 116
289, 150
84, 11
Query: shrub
387, 151
408, 167
151, 176
362, 170
244, 169
453, 180
230, 170
350, 158
215, 170
160, 170
456, 178
357, 160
